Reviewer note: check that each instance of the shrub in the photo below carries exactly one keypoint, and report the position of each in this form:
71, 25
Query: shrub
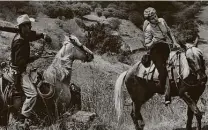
54, 11
125, 57
81, 9
136, 18
100, 39
187, 31
106, 13
112, 5
99, 11
114, 23
187, 27
111, 12
68, 13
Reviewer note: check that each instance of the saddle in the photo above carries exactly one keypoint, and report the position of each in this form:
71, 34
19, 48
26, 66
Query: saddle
176, 65
8, 90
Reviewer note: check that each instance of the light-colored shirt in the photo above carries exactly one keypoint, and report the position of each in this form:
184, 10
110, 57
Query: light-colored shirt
157, 31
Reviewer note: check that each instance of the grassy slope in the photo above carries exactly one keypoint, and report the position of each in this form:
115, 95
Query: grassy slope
97, 79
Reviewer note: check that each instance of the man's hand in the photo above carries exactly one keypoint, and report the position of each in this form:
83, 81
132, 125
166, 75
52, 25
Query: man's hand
47, 38
37, 55
177, 45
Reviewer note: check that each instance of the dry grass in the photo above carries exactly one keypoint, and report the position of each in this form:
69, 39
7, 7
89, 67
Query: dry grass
97, 80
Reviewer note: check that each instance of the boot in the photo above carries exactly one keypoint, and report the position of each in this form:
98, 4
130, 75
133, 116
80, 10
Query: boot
167, 92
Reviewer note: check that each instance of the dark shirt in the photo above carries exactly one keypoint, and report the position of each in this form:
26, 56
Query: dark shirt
20, 50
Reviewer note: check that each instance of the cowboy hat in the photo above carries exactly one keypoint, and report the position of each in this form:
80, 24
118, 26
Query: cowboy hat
22, 19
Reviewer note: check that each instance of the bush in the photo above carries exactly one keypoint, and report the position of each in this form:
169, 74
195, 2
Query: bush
187, 31
112, 5
114, 23
81, 9
106, 13
187, 27
54, 11
98, 11
124, 57
111, 12
187, 13
100, 39
136, 18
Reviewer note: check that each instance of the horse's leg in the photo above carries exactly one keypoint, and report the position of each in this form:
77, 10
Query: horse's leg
4, 117
192, 105
190, 115
136, 116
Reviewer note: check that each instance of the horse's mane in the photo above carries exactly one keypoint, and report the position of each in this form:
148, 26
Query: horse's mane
57, 70
182, 63
194, 53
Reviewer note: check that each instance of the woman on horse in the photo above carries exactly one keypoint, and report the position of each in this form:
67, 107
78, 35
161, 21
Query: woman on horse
158, 37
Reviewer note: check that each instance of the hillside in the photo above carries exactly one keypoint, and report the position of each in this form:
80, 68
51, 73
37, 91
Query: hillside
120, 48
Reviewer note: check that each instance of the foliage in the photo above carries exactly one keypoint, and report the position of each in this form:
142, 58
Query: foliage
54, 11
81, 9
186, 25
112, 12
67, 9
187, 31
136, 18
114, 23
100, 39
99, 11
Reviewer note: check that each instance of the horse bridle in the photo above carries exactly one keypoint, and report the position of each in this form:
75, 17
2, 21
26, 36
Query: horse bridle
83, 48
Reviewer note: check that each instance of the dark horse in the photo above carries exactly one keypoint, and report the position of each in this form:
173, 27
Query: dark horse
187, 79
55, 96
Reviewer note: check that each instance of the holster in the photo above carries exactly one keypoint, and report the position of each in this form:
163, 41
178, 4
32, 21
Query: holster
17, 77
17, 81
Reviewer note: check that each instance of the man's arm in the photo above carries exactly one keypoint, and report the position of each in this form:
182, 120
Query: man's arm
35, 36
149, 38
170, 34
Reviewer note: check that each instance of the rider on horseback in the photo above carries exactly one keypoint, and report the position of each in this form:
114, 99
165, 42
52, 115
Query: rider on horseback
158, 37
20, 57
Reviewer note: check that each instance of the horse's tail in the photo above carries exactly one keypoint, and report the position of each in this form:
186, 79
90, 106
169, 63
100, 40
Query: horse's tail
118, 94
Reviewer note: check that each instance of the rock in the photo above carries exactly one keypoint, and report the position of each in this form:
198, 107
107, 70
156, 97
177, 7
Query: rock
94, 18
83, 117
132, 37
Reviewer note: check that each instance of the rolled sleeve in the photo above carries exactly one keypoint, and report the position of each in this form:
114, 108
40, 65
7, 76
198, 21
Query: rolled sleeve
148, 36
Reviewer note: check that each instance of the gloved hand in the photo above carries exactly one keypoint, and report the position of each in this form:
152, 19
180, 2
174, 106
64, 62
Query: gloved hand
47, 38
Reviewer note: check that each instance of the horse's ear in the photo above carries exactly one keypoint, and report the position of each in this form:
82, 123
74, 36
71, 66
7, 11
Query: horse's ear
196, 41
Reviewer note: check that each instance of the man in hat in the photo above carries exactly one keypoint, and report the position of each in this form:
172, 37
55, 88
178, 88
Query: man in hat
20, 57
158, 37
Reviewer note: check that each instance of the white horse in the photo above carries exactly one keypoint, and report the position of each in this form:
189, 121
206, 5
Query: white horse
54, 91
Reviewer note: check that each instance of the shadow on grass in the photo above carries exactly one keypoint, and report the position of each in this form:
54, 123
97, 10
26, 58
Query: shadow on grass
194, 128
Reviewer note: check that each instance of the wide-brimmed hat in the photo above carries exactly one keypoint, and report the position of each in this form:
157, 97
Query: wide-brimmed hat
22, 19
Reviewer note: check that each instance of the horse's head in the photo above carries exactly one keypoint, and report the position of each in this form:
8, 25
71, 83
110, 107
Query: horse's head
74, 49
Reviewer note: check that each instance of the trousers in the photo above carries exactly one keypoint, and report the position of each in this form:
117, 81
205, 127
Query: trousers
159, 55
